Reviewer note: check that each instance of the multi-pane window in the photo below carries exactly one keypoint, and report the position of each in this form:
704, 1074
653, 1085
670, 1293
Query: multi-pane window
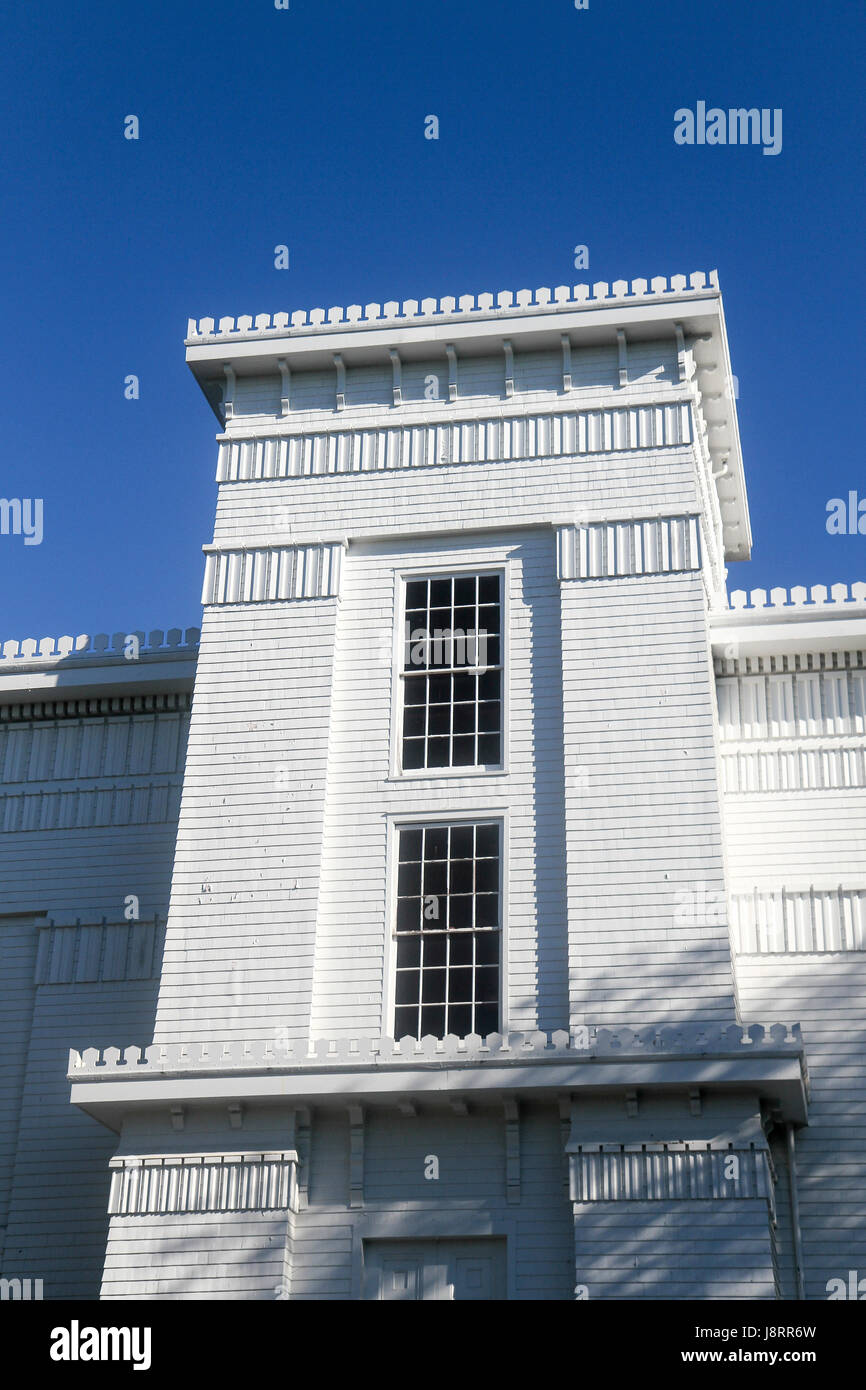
448, 930
452, 672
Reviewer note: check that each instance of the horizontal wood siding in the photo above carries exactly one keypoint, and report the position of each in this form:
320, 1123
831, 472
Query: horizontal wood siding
647, 928
353, 936
449, 499
66, 982
207, 1256
239, 944
470, 1189
57, 1218
674, 1250
825, 994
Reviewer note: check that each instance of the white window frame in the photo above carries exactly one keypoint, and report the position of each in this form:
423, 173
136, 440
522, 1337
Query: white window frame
420, 820
451, 571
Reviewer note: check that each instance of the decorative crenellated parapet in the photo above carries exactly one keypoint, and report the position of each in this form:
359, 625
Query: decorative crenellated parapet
620, 549
171, 1184
505, 304
800, 599
271, 574
101, 646
584, 1044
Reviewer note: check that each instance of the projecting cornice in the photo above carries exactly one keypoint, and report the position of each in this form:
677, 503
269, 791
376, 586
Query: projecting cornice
125, 669
790, 623
108, 1082
688, 312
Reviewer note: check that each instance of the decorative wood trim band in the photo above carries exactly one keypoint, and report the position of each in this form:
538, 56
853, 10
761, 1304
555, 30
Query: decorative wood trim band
103, 952
754, 771
805, 922
542, 435
78, 749
176, 1183
771, 663
783, 601
789, 705
699, 283
162, 1059
617, 549
149, 803
272, 574
107, 706
691, 1170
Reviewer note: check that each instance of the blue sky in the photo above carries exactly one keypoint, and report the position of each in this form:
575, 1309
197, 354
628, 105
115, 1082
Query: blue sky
305, 127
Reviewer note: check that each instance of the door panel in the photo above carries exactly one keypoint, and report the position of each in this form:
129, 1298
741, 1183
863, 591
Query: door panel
435, 1270
401, 1279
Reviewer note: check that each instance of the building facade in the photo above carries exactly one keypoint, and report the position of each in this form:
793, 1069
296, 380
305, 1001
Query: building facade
466, 914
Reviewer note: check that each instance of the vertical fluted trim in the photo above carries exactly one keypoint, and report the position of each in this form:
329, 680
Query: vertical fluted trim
270, 574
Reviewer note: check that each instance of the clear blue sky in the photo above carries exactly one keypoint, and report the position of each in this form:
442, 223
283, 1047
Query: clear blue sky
305, 127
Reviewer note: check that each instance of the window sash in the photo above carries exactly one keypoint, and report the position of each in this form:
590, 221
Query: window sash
465, 728
448, 969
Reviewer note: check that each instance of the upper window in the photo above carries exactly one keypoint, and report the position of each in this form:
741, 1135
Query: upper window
452, 672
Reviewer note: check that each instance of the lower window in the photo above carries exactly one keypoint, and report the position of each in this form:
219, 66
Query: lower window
448, 930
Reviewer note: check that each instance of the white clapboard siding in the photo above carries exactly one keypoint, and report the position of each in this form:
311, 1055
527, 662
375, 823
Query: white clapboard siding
353, 934
645, 868
239, 944
826, 994
447, 501
88, 812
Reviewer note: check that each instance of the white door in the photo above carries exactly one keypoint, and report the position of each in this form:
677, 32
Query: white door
448, 1269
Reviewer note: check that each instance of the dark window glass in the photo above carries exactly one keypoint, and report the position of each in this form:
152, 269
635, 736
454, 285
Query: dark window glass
452, 625
448, 930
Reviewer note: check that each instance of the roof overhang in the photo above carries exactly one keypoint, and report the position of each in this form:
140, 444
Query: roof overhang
537, 321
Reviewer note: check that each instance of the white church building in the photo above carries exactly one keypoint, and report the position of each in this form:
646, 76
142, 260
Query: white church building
478, 909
